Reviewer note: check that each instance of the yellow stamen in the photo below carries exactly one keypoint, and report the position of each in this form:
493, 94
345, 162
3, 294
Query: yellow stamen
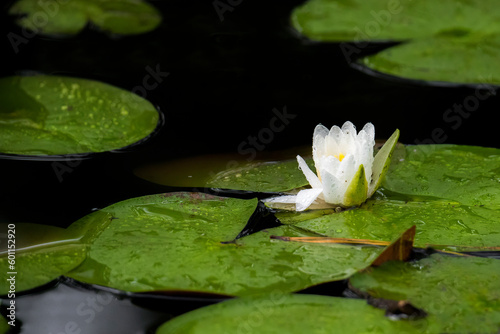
340, 156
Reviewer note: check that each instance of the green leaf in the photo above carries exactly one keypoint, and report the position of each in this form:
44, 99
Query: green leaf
464, 59
449, 192
42, 253
382, 20
175, 242
40, 265
4, 326
357, 190
284, 313
124, 17
230, 171
49, 115
466, 174
382, 162
450, 40
460, 294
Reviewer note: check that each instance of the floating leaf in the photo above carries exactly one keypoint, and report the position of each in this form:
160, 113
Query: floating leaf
464, 59
230, 171
460, 294
182, 241
50, 115
468, 175
449, 192
285, 313
124, 17
40, 265
452, 41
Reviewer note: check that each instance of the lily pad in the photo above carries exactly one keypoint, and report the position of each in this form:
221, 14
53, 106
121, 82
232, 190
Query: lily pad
450, 41
4, 326
286, 313
42, 253
451, 193
38, 266
52, 115
187, 243
464, 59
124, 17
269, 172
460, 294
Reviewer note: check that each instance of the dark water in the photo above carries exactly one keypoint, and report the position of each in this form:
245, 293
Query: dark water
219, 83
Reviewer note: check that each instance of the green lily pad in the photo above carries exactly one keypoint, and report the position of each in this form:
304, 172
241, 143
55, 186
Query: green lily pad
285, 313
381, 20
183, 241
450, 41
4, 326
464, 59
124, 17
460, 294
270, 172
51, 115
469, 175
38, 266
451, 193
42, 253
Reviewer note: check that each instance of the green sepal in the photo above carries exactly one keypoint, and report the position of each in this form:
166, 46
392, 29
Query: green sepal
382, 162
357, 190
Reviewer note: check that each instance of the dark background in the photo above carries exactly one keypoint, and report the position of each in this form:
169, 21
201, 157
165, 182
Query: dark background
225, 78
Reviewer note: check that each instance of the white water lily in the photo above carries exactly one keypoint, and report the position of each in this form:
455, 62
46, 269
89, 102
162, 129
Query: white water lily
347, 173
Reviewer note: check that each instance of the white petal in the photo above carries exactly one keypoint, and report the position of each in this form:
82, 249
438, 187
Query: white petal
332, 190
349, 129
281, 199
320, 132
306, 197
369, 128
310, 176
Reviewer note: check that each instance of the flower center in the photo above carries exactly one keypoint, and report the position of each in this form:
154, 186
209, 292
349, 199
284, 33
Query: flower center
340, 156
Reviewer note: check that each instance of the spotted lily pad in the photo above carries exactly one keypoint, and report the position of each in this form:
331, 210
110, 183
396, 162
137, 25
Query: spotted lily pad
286, 313
460, 294
52, 115
124, 17
185, 241
451, 41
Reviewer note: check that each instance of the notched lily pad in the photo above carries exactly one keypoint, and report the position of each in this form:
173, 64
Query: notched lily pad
285, 313
51, 115
184, 246
460, 294
124, 17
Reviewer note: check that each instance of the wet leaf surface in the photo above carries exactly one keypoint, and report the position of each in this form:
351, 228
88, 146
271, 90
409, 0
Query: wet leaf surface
52, 115
460, 294
124, 17
273, 314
